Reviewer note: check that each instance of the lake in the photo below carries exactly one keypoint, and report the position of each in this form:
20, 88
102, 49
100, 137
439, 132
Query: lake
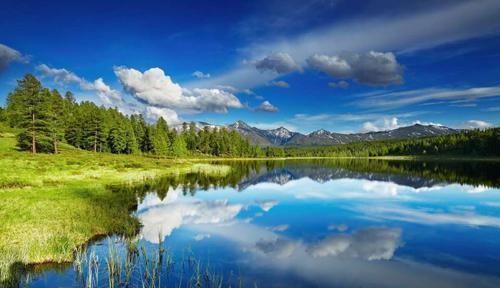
316, 223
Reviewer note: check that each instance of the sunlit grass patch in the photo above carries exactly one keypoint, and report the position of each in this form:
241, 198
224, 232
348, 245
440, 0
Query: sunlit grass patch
50, 204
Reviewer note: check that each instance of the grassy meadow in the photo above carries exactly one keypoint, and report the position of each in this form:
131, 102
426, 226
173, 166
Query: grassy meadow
51, 204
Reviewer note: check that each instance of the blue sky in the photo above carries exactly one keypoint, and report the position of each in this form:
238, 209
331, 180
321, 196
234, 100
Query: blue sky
345, 66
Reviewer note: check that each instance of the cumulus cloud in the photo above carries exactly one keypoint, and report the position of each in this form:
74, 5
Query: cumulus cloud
410, 31
382, 124
200, 75
332, 65
154, 87
373, 68
477, 124
368, 244
165, 216
63, 76
341, 84
153, 113
266, 106
9, 55
60, 75
105, 92
280, 83
280, 63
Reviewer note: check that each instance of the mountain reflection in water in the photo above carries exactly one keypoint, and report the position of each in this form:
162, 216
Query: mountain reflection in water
332, 223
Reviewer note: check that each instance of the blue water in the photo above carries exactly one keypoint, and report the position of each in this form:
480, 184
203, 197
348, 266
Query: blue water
320, 228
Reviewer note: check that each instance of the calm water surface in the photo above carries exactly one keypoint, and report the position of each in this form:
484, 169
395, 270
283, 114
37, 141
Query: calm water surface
316, 224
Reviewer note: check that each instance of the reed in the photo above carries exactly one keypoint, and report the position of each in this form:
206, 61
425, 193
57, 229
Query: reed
148, 268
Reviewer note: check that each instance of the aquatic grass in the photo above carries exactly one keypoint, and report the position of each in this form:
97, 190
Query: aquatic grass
149, 267
51, 204
93, 271
113, 264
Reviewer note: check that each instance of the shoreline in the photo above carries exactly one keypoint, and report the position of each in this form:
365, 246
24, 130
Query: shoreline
51, 204
405, 158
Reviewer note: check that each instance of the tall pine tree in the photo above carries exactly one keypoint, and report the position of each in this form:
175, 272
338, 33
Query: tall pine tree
29, 107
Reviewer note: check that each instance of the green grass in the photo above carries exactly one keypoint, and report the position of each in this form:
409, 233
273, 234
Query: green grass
51, 204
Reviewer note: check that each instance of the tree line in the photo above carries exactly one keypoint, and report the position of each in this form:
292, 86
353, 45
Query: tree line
46, 118
467, 142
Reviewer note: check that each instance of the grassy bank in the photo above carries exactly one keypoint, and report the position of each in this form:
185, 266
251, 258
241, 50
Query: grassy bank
50, 204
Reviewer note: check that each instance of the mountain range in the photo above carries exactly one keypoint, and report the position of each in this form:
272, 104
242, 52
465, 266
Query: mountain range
284, 137
323, 174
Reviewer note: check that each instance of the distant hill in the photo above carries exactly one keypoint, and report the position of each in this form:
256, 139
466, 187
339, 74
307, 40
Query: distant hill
284, 137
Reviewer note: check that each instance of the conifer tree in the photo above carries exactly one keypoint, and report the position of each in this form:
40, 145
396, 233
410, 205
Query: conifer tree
56, 118
179, 147
28, 107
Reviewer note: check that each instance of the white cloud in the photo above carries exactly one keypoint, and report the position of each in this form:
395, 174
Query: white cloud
373, 68
274, 252
277, 247
200, 75
273, 125
280, 228
266, 106
386, 189
382, 124
333, 65
63, 76
278, 62
368, 244
199, 237
280, 83
390, 123
341, 84
8, 55
388, 100
162, 217
338, 227
155, 88
477, 124
267, 204
305, 123
322, 117
105, 92
412, 215
153, 113
458, 20
492, 109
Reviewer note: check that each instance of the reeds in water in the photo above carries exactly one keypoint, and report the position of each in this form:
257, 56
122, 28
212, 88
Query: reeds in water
128, 264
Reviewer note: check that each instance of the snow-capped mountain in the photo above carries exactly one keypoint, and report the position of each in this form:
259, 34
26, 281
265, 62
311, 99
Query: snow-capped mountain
279, 136
198, 126
284, 137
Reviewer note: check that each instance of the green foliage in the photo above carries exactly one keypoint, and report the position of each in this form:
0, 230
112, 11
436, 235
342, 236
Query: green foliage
30, 107
3, 115
160, 137
179, 147
474, 143
47, 118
